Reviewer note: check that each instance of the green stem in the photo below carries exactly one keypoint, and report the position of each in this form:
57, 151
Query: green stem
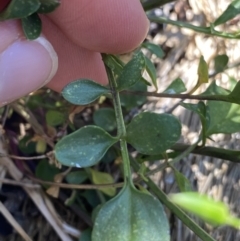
120, 125
225, 154
175, 209
224, 98
150, 4
205, 30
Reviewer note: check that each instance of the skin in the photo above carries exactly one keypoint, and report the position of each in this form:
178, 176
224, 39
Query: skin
73, 38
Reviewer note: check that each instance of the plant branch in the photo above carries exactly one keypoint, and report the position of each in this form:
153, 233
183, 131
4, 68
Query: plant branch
175, 209
150, 4
225, 154
205, 30
178, 96
120, 124
76, 186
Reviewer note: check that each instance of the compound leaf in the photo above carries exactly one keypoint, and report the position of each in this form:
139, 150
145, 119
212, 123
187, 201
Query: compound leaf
84, 147
220, 62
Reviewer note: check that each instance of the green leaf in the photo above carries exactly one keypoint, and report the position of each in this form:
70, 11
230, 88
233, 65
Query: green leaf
19, 9
76, 177
103, 178
86, 235
83, 92
223, 117
46, 172
55, 118
131, 216
132, 72
234, 96
176, 87
84, 147
151, 70
201, 110
155, 49
232, 11
202, 71
183, 183
220, 63
152, 133
105, 118
214, 89
132, 101
32, 26
202, 206
48, 6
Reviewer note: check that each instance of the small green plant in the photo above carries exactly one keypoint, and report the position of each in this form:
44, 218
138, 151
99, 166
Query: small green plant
134, 213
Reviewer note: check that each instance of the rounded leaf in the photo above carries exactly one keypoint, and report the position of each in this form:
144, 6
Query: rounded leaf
105, 118
32, 26
83, 92
131, 216
152, 133
84, 147
132, 72
19, 9
48, 6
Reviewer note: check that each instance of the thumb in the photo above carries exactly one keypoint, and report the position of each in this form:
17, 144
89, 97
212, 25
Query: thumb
24, 65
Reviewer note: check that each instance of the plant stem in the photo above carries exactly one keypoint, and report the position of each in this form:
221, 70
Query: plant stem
225, 154
148, 5
120, 125
205, 30
179, 96
175, 209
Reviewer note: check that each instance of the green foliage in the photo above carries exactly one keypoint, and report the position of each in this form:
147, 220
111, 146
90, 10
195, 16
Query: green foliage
105, 118
155, 49
152, 133
150, 68
32, 26
48, 6
55, 118
232, 11
220, 63
132, 72
176, 87
125, 218
83, 148
46, 172
183, 183
103, 178
83, 92
27, 10
216, 213
131, 101
202, 71
76, 177
86, 235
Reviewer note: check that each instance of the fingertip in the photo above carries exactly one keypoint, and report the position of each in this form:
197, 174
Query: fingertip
103, 26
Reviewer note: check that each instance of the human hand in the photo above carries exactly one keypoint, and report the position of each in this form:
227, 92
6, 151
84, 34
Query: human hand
69, 49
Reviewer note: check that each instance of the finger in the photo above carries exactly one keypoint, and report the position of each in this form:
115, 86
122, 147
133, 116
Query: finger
74, 61
103, 26
24, 65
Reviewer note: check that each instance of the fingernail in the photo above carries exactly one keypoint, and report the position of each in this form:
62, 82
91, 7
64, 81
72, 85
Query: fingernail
24, 67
